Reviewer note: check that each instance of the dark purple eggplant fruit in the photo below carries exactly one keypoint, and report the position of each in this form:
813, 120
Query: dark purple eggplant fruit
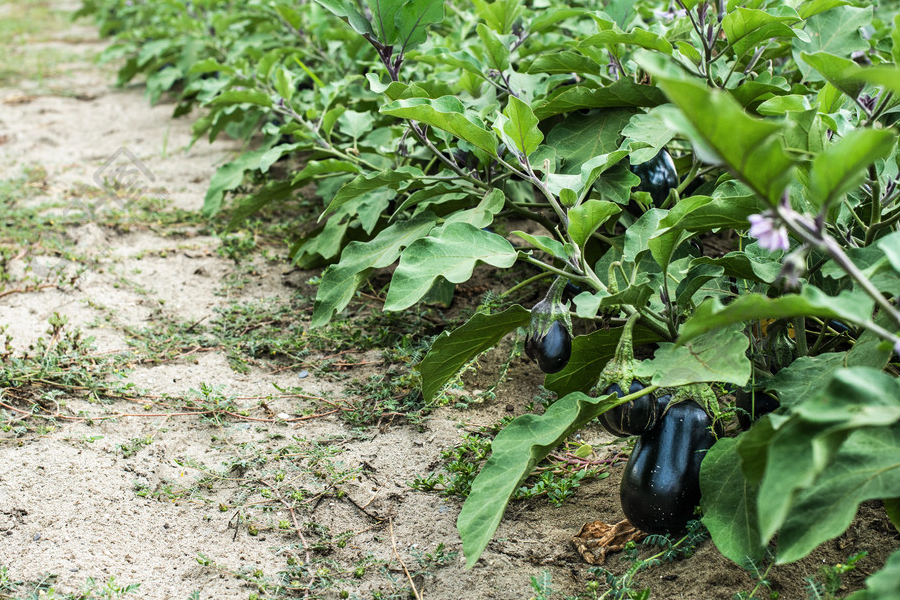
549, 340
658, 175
661, 483
632, 418
552, 350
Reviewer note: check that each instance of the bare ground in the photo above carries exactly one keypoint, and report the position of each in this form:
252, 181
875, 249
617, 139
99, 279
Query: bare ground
195, 504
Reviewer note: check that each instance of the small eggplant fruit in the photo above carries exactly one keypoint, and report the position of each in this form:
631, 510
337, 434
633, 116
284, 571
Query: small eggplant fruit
661, 483
551, 351
753, 405
632, 418
658, 175
549, 340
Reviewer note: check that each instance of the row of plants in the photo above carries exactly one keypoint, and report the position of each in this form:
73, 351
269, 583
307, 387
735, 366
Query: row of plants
720, 178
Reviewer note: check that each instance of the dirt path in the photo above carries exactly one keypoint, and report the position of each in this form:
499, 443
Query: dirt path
183, 483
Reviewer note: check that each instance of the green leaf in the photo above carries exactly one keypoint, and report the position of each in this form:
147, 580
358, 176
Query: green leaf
809, 8
499, 15
739, 264
636, 294
711, 314
544, 243
229, 97
887, 76
392, 178
647, 128
355, 124
622, 93
563, 62
273, 190
452, 255
496, 52
346, 10
702, 213
884, 584
453, 349
340, 281
866, 467
892, 508
746, 28
412, 20
384, 12
586, 218
836, 31
315, 168
805, 446
805, 377
590, 353
842, 166
514, 453
482, 215
720, 355
836, 70
446, 113
635, 37
522, 126
722, 132
728, 501
582, 137
228, 177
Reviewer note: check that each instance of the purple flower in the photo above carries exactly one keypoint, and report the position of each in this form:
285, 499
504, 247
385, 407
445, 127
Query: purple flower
772, 235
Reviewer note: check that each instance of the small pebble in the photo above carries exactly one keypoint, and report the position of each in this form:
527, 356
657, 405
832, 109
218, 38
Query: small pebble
303, 374
36, 537
283, 416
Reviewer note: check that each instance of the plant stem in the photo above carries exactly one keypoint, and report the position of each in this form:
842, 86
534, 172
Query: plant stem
525, 283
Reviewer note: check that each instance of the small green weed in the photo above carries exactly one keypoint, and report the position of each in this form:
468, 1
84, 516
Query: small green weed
44, 589
827, 582
621, 587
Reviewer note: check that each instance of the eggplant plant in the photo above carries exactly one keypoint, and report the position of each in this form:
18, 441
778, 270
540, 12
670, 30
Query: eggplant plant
759, 140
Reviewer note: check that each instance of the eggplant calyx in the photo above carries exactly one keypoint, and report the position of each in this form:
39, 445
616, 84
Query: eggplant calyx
620, 370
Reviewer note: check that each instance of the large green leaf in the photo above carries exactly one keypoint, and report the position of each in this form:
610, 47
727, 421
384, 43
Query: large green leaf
842, 166
453, 349
346, 10
635, 37
585, 218
622, 93
447, 113
805, 446
711, 314
514, 453
805, 377
719, 355
721, 131
704, 213
228, 177
836, 31
728, 501
412, 20
522, 126
452, 254
340, 281
582, 137
590, 353
837, 70
746, 28
866, 467
384, 12
392, 178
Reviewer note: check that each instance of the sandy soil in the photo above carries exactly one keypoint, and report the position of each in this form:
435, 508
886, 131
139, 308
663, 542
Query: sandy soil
75, 501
